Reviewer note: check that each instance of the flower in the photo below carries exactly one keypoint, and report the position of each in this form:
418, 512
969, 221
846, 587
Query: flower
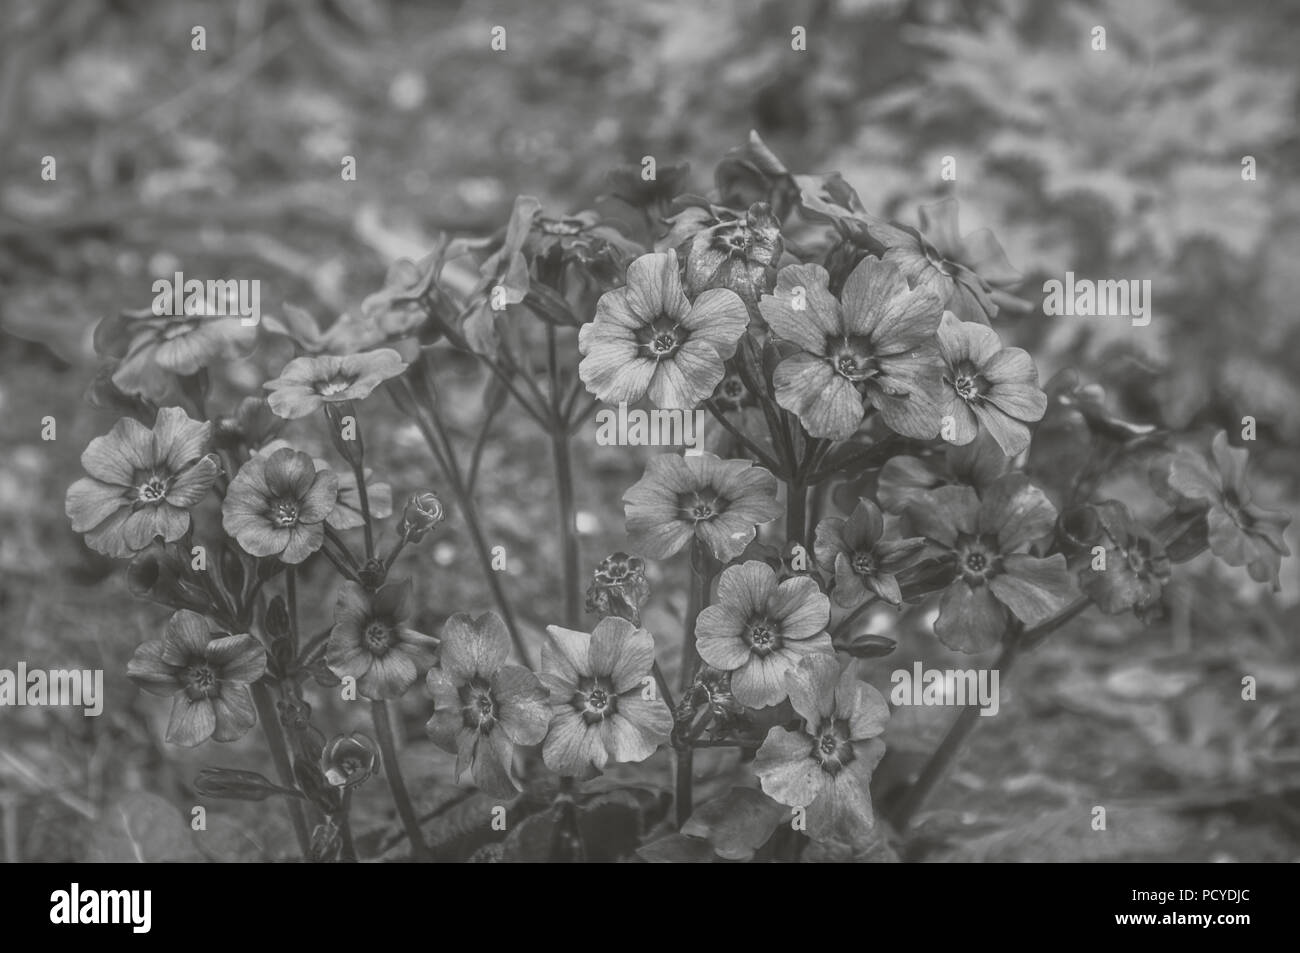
143, 482
348, 760
864, 556
826, 765
619, 587
482, 706
370, 643
1135, 566
647, 338
153, 348
717, 501
347, 512
276, 505
904, 478
207, 674
1240, 532
505, 269
987, 384
423, 511
984, 541
308, 383
759, 630
739, 254
604, 706
877, 344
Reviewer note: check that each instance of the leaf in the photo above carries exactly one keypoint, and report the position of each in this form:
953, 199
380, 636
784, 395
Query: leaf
677, 849
142, 828
867, 646
736, 824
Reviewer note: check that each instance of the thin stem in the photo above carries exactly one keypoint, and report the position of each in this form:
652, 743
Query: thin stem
270, 721
843, 625
396, 551
758, 452
560, 452
333, 536
291, 600
796, 512
396, 785
364, 494
345, 826
701, 573
664, 690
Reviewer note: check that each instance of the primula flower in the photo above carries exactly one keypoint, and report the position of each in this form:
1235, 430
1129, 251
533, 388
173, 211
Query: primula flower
759, 630
348, 760
619, 587
1136, 566
505, 268
648, 339
370, 642
864, 556
143, 482
601, 710
876, 344
307, 383
826, 765
985, 384
738, 254
1240, 532
276, 505
905, 478
717, 501
152, 349
208, 676
347, 508
985, 541
482, 706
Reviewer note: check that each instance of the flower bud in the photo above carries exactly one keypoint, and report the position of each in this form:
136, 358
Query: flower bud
422, 513
348, 760
237, 785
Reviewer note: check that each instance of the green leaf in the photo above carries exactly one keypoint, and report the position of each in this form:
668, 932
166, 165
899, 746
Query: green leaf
736, 824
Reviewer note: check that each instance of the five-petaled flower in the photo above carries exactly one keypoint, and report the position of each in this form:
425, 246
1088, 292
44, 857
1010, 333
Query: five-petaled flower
721, 502
1133, 567
308, 383
759, 630
154, 349
483, 707
1240, 532
605, 706
985, 384
985, 542
826, 765
208, 676
277, 505
647, 338
864, 555
739, 254
142, 482
371, 643
876, 345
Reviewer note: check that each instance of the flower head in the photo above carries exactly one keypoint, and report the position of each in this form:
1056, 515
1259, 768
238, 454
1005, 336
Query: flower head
207, 674
826, 765
719, 501
423, 511
277, 505
904, 479
153, 349
864, 555
873, 347
143, 482
759, 630
619, 587
308, 383
739, 254
1240, 532
601, 709
987, 385
648, 339
482, 706
1135, 566
984, 541
348, 760
347, 513
371, 643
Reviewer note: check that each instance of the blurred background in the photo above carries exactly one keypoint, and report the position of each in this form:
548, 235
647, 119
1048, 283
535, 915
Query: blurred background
226, 162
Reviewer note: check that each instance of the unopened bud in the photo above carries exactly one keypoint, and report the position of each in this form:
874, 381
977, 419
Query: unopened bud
423, 512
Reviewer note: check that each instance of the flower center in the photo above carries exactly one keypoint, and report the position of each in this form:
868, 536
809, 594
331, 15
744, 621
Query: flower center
378, 636
851, 358
478, 706
284, 513
832, 748
152, 490
335, 385
595, 700
762, 638
863, 564
661, 338
969, 384
200, 681
700, 509
977, 558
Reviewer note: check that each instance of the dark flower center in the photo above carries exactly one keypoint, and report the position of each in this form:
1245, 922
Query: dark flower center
977, 558
933, 256
762, 637
478, 707
152, 490
595, 699
852, 358
284, 513
334, 385
700, 507
661, 338
832, 748
864, 564
967, 381
378, 636
199, 680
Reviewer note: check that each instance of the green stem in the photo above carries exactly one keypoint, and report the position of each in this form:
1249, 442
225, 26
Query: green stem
796, 513
396, 785
364, 494
560, 452
291, 602
270, 721
701, 577
345, 827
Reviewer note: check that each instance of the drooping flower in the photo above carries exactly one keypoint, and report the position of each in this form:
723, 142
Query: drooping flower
276, 505
348, 760
864, 555
1133, 567
904, 479
873, 347
307, 383
207, 675
503, 278
985, 542
601, 708
142, 482
483, 707
619, 587
739, 254
719, 501
1240, 532
153, 349
759, 630
371, 643
985, 384
826, 765
649, 339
